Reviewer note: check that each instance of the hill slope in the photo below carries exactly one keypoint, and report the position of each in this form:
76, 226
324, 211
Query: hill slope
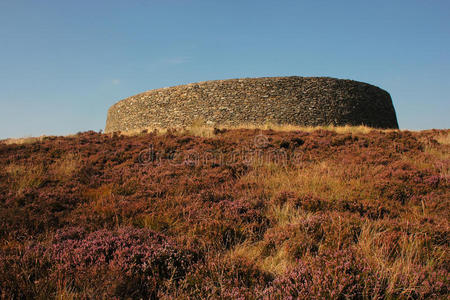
243, 213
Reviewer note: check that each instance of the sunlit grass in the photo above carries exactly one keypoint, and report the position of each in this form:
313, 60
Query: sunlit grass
64, 168
24, 177
200, 128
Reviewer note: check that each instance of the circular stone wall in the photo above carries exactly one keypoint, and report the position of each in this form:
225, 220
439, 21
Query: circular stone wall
303, 101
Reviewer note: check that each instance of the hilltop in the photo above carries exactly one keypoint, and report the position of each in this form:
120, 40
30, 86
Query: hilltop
226, 213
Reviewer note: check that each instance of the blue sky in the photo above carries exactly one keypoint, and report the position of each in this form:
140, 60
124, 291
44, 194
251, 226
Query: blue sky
63, 63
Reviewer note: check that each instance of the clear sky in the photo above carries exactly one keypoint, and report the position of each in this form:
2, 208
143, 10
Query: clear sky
63, 63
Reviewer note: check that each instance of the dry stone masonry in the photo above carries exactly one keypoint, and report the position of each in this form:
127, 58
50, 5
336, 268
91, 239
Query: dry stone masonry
303, 101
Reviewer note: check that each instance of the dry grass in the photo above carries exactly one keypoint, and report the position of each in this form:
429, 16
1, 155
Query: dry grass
401, 265
200, 128
23, 140
23, 177
281, 259
443, 138
432, 145
66, 294
32, 175
327, 179
99, 197
276, 263
64, 168
286, 127
103, 202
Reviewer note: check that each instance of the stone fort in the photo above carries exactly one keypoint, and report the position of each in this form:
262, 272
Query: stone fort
302, 101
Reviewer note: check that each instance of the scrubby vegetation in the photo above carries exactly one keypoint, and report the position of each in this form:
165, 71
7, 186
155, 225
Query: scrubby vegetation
234, 214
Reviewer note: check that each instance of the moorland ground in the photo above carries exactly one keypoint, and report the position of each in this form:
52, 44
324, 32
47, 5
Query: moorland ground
249, 213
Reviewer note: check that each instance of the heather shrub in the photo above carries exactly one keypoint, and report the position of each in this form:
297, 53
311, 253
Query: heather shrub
222, 278
124, 263
304, 236
312, 203
331, 275
127, 262
25, 272
333, 213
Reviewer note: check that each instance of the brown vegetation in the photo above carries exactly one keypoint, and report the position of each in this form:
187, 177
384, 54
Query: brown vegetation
234, 213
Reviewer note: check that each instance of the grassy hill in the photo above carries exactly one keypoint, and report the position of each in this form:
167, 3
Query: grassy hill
233, 214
